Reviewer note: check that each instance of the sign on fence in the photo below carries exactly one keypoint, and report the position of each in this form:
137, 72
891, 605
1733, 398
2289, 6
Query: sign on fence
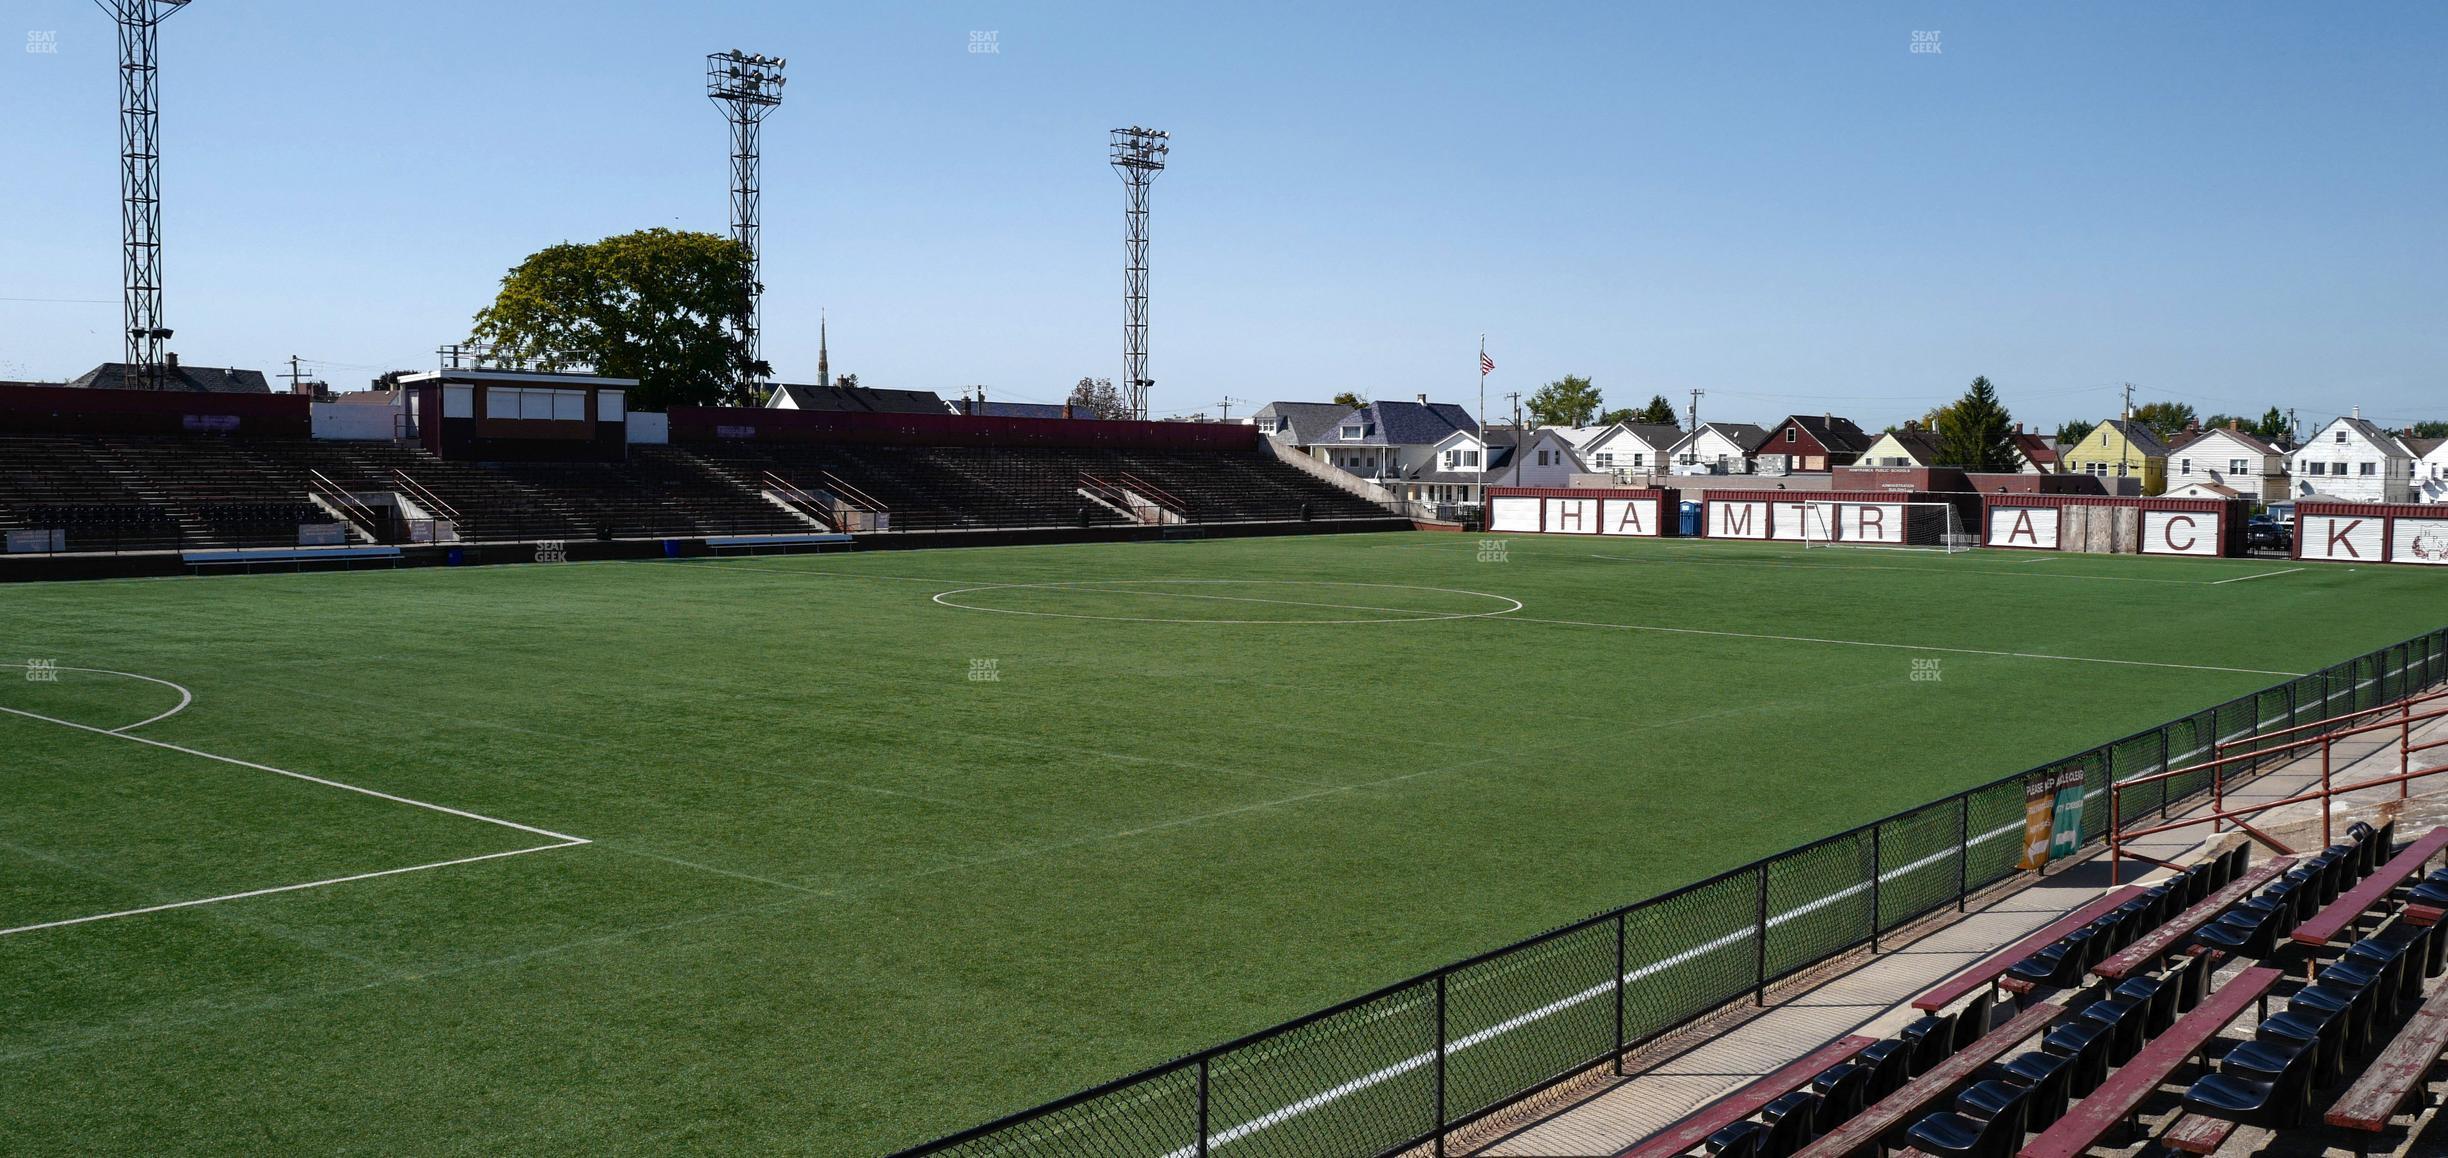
2039, 803
2068, 820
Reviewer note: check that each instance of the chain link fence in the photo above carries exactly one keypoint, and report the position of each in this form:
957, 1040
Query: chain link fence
1407, 1065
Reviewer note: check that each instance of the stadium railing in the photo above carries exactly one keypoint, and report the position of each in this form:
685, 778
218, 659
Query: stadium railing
1404, 1067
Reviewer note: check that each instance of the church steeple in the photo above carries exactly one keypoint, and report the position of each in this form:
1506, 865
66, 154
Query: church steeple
824, 368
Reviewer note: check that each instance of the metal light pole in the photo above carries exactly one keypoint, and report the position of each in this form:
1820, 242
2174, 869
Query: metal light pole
746, 87
1138, 154
140, 220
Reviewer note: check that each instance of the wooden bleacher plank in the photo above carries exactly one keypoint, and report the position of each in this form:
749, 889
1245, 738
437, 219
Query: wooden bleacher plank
2366, 896
1863, 1130
1996, 964
2197, 1134
2151, 946
2423, 915
1688, 1134
2102, 1109
2398, 1071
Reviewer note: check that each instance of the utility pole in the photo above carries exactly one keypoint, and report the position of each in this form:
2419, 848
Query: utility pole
2125, 454
294, 375
1695, 410
1224, 408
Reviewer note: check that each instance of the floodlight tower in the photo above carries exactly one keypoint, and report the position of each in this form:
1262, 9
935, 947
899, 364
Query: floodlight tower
1138, 155
746, 86
140, 181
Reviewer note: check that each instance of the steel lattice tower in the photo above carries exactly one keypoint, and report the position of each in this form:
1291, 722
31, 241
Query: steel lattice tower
1138, 155
140, 222
747, 87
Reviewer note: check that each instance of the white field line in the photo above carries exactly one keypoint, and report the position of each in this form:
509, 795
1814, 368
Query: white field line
448, 811
2261, 575
185, 697
570, 843
1896, 646
1378, 1077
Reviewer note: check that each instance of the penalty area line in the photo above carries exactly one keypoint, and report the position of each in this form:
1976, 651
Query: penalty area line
572, 842
2257, 575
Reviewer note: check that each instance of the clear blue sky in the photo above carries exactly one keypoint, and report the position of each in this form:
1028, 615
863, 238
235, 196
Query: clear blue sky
2233, 205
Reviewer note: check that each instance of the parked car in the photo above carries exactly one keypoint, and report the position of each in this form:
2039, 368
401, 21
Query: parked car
2267, 533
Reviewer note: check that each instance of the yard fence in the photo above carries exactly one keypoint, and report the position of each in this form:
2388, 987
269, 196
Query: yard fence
1405, 1066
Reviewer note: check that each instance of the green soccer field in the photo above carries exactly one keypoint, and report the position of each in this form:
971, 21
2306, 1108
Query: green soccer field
834, 854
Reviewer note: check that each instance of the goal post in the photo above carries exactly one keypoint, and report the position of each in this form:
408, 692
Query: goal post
1888, 526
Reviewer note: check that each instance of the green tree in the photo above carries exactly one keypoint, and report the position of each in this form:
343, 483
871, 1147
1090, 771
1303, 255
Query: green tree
1351, 399
1098, 398
2165, 419
1659, 412
1976, 432
657, 305
2274, 427
390, 379
2075, 431
2433, 429
1568, 401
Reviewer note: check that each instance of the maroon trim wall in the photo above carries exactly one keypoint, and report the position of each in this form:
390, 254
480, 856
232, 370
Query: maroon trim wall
71, 410
2433, 540
1669, 522
1710, 500
719, 424
2229, 516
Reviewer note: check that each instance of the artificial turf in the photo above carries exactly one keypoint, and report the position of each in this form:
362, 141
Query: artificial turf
866, 866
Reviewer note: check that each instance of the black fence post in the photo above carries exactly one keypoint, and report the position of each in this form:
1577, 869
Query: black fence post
1963, 851
1875, 912
2166, 754
1620, 932
1202, 1108
1759, 988
1440, 1065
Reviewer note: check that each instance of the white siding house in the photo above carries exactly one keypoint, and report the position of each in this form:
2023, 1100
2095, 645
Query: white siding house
2431, 471
2355, 460
1718, 448
1631, 447
2232, 459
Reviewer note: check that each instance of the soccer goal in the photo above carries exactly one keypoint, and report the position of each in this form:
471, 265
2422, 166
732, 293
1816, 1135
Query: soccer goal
1896, 526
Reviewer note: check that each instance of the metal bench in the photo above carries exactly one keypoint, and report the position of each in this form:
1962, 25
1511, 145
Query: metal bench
1994, 967
2116, 1100
1863, 1130
2146, 951
1687, 1135
2324, 926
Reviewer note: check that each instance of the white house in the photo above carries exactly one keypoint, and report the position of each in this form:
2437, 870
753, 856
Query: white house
1385, 441
1717, 448
1902, 448
2230, 458
1501, 456
2430, 470
1631, 448
2356, 461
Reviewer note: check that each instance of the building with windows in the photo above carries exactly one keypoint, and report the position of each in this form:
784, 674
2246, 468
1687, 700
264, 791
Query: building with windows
2354, 460
2125, 455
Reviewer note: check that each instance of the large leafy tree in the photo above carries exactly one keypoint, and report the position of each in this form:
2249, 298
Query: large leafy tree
1350, 399
657, 305
1098, 398
2165, 419
1568, 401
2075, 431
2433, 429
1976, 432
1659, 412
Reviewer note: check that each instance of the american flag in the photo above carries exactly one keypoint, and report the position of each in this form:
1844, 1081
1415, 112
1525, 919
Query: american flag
1487, 365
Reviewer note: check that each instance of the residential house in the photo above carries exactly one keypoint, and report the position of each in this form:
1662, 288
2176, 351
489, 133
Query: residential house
1718, 448
981, 408
2354, 460
1387, 440
1298, 423
1628, 448
198, 379
2228, 457
2118, 450
854, 399
2034, 453
1907, 448
1812, 442
2430, 468
2205, 490
1509, 457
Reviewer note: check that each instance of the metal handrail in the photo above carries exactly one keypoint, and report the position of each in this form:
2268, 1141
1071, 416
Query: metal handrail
854, 496
425, 498
351, 509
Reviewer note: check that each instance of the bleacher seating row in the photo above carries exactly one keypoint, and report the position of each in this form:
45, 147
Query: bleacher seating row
2366, 931
129, 492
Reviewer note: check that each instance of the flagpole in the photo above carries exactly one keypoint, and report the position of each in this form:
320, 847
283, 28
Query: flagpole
1483, 434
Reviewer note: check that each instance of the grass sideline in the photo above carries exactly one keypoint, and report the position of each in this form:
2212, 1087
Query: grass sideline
845, 892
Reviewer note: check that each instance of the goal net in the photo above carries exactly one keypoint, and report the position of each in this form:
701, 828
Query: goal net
1896, 526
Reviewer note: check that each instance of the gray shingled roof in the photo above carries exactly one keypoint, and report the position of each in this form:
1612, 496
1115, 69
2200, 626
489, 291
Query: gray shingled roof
1401, 424
200, 379
862, 399
1839, 435
1312, 422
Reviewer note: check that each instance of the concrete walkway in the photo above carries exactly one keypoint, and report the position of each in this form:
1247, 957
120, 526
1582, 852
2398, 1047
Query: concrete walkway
1599, 1115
